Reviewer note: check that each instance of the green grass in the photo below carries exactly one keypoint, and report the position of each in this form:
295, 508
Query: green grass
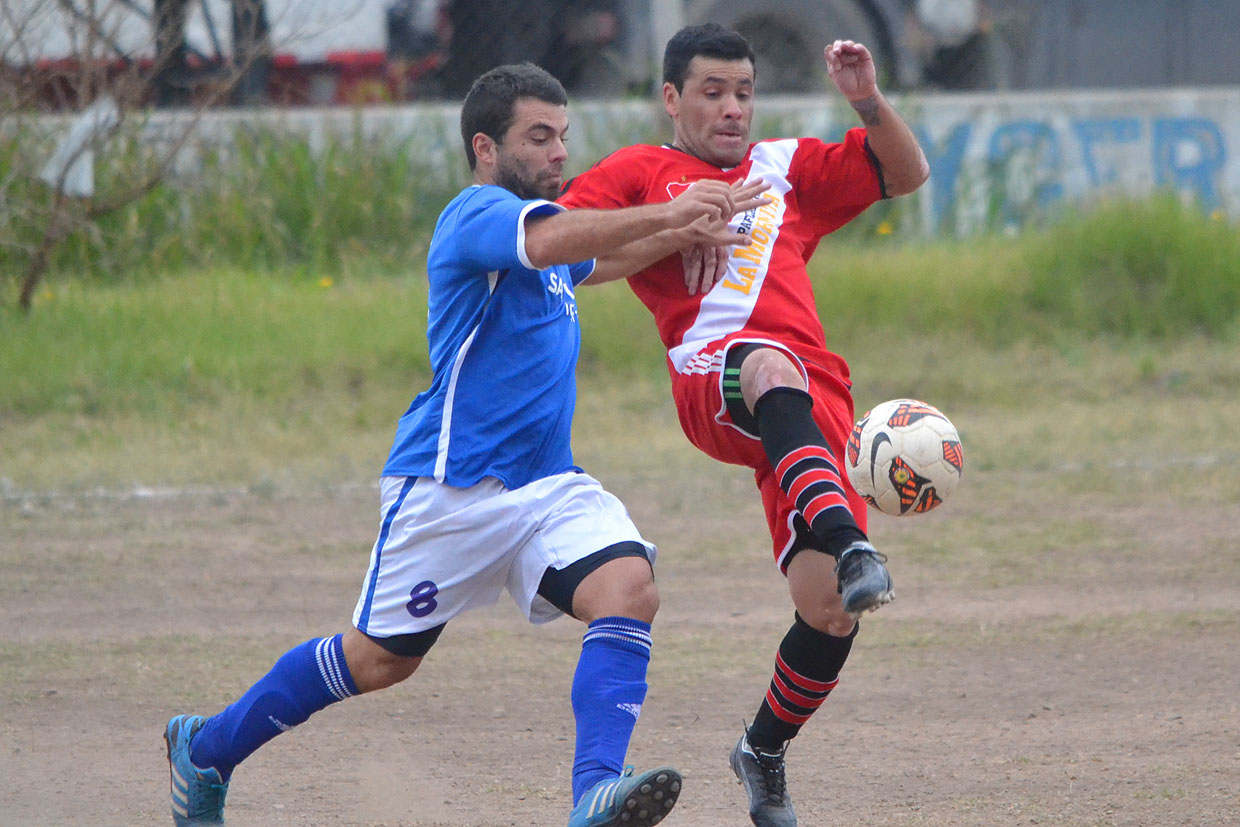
261, 201
166, 347
349, 208
229, 378
212, 377
1151, 268
220, 374
1154, 269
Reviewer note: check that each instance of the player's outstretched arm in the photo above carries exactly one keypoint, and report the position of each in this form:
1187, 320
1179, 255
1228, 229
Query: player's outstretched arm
638, 255
713, 233
851, 67
578, 235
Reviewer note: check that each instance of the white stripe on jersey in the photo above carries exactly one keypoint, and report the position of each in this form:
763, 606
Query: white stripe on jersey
445, 426
521, 251
724, 310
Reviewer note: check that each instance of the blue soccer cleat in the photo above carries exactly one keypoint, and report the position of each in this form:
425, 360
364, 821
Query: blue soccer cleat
197, 794
628, 801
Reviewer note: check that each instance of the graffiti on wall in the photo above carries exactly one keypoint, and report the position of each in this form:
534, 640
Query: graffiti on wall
1012, 170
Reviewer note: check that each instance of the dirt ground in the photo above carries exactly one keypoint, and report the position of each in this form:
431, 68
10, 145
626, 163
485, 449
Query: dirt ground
1089, 677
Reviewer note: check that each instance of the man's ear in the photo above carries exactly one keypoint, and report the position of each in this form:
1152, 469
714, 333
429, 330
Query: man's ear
484, 149
671, 99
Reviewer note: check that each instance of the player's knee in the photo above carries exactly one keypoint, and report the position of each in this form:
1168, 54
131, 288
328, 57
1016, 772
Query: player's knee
765, 369
638, 600
396, 668
815, 593
827, 615
373, 667
643, 601
620, 591
384, 669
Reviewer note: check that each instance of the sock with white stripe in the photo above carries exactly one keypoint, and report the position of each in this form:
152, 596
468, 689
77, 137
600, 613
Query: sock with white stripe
807, 668
608, 690
805, 467
304, 680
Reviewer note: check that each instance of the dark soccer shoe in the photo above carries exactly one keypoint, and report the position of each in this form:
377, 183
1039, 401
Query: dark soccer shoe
864, 583
762, 776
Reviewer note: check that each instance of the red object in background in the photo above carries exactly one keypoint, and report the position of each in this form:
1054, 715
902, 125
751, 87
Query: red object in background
349, 78
361, 77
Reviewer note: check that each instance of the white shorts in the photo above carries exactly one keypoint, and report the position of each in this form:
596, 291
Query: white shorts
443, 550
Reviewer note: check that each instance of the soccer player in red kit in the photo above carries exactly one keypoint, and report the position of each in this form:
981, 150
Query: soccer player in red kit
753, 381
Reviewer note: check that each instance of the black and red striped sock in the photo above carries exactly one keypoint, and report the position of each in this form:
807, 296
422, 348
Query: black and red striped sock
805, 467
807, 668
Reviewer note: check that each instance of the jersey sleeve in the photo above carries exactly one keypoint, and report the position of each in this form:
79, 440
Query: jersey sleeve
581, 271
490, 232
602, 187
836, 182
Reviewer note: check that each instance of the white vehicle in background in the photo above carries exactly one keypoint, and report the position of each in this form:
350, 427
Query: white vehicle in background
348, 52
284, 51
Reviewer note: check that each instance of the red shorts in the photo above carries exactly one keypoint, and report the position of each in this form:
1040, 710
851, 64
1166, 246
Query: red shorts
698, 393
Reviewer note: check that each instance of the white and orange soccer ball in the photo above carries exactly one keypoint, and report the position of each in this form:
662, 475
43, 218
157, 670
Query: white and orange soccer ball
904, 457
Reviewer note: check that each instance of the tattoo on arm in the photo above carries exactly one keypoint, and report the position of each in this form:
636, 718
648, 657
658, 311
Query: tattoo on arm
867, 108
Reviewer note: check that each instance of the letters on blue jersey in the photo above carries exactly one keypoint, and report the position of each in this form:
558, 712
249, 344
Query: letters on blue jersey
503, 339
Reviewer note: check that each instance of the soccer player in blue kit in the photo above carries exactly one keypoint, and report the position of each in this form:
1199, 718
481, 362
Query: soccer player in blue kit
480, 493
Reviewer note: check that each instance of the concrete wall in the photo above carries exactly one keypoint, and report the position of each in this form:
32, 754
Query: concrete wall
998, 161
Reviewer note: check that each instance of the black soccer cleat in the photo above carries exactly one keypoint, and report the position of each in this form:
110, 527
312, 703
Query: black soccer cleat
762, 775
863, 581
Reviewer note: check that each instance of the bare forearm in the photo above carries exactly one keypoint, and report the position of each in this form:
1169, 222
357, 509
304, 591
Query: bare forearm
635, 256
578, 235
904, 164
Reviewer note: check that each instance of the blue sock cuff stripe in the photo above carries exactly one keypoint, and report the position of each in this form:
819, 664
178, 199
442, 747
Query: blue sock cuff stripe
633, 634
633, 640
621, 625
329, 655
618, 622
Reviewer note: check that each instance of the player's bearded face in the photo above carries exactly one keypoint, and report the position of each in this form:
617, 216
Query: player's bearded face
530, 160
713, 111
528, 179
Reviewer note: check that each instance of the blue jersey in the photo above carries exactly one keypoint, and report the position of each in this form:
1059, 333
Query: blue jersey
504, 341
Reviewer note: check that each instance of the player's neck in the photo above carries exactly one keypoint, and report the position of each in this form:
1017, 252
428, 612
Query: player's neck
679, 148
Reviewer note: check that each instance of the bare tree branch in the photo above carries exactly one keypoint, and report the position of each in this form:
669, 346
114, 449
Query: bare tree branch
44, 203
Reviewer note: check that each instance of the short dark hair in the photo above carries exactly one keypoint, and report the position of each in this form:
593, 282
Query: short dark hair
704, 40
489, 106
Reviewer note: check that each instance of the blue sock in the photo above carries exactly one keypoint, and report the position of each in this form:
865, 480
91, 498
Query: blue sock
304, 680
608, 689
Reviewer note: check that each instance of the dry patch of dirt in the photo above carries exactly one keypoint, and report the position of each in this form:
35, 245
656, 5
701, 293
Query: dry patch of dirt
1041, 684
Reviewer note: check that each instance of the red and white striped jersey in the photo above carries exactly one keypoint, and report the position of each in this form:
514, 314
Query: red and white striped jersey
816, 188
